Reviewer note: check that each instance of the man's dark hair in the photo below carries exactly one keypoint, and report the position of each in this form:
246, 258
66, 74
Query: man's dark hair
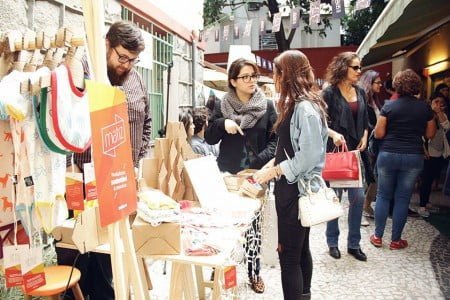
127, 35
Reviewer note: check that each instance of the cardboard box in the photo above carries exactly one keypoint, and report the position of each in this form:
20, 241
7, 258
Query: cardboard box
253, 189
233, 182
159, 240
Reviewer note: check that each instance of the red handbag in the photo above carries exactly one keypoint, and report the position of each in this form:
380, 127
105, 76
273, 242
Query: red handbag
341, 165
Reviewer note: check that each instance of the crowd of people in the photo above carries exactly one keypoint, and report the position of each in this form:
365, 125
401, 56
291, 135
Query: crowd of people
287, 142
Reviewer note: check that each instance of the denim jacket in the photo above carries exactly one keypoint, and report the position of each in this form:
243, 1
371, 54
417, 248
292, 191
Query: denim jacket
309, 137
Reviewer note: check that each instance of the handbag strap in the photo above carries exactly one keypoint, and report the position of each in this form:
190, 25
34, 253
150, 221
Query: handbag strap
306, 186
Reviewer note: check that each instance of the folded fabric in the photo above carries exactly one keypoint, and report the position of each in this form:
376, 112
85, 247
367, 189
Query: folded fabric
155, 199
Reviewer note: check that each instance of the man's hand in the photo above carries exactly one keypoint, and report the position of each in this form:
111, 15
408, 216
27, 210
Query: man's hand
231, 127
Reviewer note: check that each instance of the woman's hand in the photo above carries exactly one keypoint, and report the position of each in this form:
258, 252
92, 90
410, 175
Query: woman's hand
338, 139
362, 144
231, 127
265, 175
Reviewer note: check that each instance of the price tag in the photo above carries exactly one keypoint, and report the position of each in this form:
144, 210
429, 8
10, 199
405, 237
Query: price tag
32, 269
12, 264
74, 191
90, 184
230, 277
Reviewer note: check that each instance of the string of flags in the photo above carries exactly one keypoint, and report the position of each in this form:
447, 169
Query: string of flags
245, 29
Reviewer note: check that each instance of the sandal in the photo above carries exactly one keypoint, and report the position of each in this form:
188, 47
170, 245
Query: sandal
257, 284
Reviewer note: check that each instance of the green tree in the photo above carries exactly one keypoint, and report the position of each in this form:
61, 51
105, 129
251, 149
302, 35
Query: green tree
357, 24
212, 13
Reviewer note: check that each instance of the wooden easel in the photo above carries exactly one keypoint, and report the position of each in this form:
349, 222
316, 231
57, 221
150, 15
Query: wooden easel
119, 233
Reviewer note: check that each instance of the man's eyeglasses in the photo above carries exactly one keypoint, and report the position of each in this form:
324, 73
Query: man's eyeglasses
123, 59
247, 78
355, 68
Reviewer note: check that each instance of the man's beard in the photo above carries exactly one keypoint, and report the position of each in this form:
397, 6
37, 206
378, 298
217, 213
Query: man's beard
116, 79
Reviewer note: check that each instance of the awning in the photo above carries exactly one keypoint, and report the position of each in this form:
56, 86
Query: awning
401, 23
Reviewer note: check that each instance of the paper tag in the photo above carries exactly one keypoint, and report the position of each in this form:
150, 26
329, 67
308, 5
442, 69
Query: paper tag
12, 264
33, 269
230, 277
74, 191
90, 184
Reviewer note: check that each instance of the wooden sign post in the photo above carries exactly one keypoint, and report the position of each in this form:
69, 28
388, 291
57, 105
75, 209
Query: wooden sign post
112, 159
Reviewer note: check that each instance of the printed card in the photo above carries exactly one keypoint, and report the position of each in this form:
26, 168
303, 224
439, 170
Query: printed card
230, 277
90, 184
12, 264
74, 191
33, 269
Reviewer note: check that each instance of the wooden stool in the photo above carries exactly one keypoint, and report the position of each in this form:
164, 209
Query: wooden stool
56, 278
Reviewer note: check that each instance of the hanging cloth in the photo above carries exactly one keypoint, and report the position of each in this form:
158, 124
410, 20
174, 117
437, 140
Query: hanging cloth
69, 112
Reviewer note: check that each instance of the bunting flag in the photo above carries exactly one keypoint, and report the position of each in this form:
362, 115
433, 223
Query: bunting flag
216, 35
314, 12
338, 8
226, 32
295, 17
201, 35
276, 23
258, 61
269, 66
236, 31
248, 28
262, 27
362, 4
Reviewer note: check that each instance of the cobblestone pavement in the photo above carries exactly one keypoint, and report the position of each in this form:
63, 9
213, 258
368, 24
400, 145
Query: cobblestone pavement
421, 271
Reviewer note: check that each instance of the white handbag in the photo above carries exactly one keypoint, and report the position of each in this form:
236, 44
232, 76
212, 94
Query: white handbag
318, 207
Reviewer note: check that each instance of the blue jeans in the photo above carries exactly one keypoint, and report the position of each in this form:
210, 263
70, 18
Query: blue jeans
397, 174
356, 200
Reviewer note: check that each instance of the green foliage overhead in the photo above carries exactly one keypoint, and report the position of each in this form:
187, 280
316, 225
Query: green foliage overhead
357, 24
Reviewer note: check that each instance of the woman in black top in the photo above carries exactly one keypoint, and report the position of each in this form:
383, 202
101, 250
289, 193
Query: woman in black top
347, 113
242, 123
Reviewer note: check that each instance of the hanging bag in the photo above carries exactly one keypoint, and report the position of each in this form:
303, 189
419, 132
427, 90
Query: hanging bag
70, 117
341, 165
318, 207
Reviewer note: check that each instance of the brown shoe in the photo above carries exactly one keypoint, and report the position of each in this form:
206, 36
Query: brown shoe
257, 285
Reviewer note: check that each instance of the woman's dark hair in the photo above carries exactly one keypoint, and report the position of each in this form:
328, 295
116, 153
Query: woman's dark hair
407, 83
338, 67
127, 35
235, 69
200, 118
365, 82
295, 81
185, 117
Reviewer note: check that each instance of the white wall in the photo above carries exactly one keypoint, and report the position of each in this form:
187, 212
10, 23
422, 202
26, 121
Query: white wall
188, 13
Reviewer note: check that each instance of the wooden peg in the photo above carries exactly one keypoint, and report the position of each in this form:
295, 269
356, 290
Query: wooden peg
11, 39
63, 37
77, 41
42, 41
29, 40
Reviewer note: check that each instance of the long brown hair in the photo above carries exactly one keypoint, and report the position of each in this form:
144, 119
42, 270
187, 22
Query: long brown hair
295, 80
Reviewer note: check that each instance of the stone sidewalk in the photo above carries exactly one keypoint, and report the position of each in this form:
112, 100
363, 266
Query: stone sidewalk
421, 271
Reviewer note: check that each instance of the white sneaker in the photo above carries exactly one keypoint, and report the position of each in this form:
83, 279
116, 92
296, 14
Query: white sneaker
364, 222
423, 212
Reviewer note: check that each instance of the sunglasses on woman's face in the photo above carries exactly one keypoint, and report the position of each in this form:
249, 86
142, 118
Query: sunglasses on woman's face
355, 68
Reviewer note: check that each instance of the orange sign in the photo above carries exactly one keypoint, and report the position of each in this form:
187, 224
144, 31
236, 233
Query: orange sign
111, 152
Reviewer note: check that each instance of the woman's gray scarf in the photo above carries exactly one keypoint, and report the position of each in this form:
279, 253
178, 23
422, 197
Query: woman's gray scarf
244, 114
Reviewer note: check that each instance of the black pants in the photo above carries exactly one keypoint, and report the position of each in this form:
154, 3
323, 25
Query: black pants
253, 247
295, 258
96, 273
432, 168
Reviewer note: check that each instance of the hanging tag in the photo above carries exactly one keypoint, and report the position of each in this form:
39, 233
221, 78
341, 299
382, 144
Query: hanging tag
33, 269
12, 264
74, 191
90, 185
230, 277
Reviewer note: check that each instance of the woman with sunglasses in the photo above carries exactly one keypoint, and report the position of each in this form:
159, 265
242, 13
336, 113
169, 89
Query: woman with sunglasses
347, 111
371, 83
242, 123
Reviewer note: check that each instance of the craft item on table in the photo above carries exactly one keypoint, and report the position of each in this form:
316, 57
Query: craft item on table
154, 207
251, 188
195, 243
6, 173
70, 112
